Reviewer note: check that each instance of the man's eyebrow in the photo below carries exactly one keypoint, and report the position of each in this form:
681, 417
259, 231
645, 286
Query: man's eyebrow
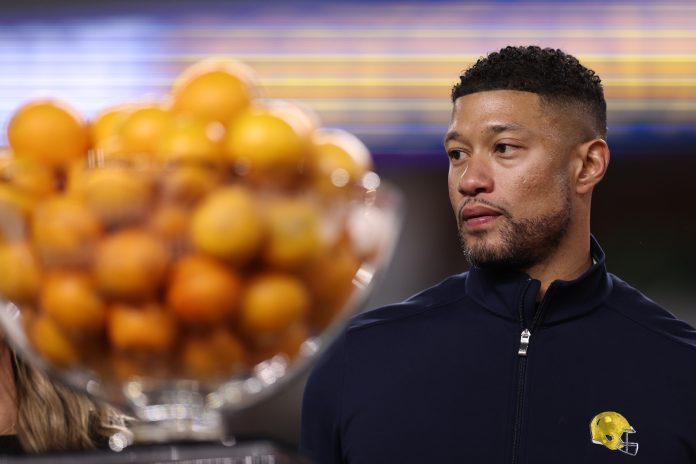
498, 128
452, 135
493, 128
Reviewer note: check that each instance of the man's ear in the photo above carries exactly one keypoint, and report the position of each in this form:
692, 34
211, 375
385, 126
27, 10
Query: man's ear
594, 161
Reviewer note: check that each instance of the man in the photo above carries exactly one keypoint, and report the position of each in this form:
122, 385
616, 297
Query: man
537, 354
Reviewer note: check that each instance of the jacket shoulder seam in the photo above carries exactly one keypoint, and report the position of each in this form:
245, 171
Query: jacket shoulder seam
650, 329
406, 316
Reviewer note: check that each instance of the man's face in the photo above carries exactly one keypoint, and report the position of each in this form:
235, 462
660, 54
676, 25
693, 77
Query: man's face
509, 177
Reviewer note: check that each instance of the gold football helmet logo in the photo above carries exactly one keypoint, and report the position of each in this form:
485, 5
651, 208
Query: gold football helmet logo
611, 429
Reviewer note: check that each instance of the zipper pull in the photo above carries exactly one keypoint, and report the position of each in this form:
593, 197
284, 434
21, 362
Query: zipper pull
524, 342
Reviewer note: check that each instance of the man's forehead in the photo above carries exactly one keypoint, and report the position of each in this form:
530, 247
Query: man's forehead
498, 111
490, 128
501, 99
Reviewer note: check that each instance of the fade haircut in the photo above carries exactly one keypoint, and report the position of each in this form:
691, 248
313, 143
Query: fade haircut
558, 78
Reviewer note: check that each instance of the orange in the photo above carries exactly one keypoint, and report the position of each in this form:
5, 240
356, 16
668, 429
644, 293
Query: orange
270, 144
116, 194
288, 343
171, 223
75, 175
107, 123
293, 225
303, 118
188, 183
228, 225
272, 303
15, 207
142, 130
213, 355
28, 176
131, 264
50, 341
139, 361
112, 148
147, 328
214, 90
20, 271
71, 300
122, 368
65, 231
202, 290
330, 281
49, 132
340, 159
192, 140
23, 183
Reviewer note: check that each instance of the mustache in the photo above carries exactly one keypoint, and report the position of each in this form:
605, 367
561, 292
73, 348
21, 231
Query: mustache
473, 201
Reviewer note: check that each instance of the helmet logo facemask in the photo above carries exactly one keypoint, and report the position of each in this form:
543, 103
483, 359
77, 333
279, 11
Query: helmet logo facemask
611, 429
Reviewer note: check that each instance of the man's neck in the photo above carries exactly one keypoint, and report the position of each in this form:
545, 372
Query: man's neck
566, 263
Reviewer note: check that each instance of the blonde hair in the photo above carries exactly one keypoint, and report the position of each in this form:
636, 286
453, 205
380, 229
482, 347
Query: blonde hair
51, 417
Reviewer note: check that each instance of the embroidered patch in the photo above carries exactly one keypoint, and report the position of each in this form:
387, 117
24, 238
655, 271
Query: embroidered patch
611, 430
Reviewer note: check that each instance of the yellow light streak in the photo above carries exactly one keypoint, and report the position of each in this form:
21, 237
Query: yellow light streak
440, 82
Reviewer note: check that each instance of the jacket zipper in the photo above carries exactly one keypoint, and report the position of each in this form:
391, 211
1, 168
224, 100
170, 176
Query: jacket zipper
525, 338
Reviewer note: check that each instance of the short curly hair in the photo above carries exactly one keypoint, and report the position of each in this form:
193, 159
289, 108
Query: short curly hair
558, 78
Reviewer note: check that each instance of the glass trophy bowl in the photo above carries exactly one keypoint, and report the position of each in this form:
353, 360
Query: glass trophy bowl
179, 307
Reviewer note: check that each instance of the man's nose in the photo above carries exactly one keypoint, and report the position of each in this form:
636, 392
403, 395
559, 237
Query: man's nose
476, 177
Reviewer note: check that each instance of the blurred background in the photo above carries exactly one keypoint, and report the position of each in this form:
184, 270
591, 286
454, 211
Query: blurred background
383, 70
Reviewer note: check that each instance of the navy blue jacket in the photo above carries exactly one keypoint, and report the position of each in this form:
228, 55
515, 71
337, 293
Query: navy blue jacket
444, 378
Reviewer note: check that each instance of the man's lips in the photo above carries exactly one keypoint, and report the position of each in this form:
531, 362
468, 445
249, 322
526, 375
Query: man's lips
475, 216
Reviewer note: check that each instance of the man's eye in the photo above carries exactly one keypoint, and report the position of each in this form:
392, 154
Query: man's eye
503, 148
454, 154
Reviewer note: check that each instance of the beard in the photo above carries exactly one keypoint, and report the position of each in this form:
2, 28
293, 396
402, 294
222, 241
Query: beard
524, 242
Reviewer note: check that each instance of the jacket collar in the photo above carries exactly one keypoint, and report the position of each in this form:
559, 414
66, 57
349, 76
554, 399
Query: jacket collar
512, 295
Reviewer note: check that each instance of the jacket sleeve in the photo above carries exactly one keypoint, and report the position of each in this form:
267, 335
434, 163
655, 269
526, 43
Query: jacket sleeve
320, 436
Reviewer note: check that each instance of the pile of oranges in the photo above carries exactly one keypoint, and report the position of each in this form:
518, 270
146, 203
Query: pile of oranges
190, 237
